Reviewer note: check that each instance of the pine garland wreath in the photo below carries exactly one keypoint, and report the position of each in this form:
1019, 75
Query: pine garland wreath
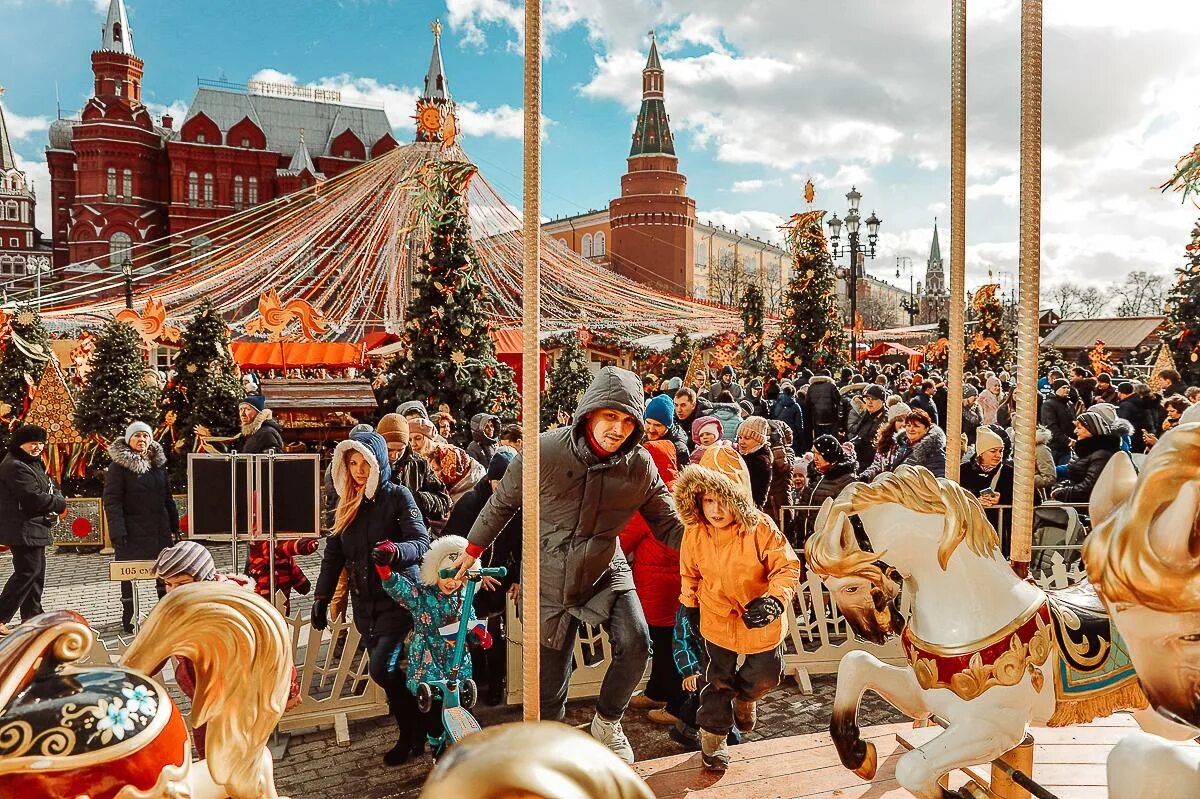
116, 392
811, 335
205, 390
566, 382
679, 356
753, 348
449, 357
1183, 313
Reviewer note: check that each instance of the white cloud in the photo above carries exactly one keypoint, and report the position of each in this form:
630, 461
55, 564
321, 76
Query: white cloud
754, 184
20, 127
760, 224
38, 174
177, 110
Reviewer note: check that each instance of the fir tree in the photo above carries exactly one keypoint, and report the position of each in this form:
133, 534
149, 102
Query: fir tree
205, 389
449, 355
23, 353
811, 335
1183, 308
1051, 358
566, 382
116, 392
990, 343
753, 350
679, 356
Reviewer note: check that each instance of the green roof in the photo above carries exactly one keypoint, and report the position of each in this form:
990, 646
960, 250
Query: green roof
652, 134
652, 62
935, 249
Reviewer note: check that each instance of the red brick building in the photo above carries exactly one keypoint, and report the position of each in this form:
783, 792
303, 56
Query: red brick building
119, 180
21, 249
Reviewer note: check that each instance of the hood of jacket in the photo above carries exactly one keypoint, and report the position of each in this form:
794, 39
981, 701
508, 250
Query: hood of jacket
1043, 435
264, 417
374, 449
478, 433
1092, 444
413, 405
815, 379
613, 389
695, 481
834, 472
934, 439
123, 454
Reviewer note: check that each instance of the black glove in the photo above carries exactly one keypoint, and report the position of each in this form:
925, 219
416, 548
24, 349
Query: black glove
762, 611
319, 617
385, 553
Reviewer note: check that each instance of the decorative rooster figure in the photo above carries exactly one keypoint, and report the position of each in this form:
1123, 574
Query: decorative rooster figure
150, 324
274, 317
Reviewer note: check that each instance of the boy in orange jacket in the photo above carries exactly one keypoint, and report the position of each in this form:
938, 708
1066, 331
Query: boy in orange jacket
738, 575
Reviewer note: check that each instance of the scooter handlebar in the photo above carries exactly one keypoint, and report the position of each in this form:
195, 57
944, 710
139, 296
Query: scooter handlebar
475, 574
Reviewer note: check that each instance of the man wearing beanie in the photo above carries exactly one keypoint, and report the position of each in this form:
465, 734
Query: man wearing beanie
988, 474
1057, 416
660, 426
29, 508
867, 425
594, 477
259, 430
413, 471
141, 513
752, 437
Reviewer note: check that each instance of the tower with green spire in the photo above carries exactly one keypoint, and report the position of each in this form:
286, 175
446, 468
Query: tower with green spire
653, 221
933, 301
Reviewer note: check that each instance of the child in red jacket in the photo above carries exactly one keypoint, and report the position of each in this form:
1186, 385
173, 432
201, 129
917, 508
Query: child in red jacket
655, 569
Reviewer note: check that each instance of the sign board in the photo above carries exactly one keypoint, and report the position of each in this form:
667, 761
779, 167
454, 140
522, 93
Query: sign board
124, 571
253, 494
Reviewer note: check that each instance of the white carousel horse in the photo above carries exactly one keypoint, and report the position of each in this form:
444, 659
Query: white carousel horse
1144, 560
987, 651
112, 732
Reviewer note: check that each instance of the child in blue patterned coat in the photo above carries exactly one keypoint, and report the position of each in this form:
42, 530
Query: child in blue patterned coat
436, 605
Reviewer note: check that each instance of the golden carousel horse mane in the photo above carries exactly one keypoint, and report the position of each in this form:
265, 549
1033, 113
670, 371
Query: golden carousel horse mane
535, 760
239, 648
1119, 554
833, 550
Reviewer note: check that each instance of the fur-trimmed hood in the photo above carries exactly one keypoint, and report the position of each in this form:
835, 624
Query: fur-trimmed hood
260, 419
438, 550
1043, 435
372, 447
123, 455
695, 481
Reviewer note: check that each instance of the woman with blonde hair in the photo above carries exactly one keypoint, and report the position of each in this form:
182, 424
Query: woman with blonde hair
371, 510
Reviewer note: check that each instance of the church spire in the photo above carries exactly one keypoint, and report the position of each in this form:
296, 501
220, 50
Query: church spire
436, 86
652, 133
935, 276
116, 35
935, 249
8, 162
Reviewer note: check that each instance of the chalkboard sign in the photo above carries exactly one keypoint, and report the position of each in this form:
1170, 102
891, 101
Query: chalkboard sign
289, 501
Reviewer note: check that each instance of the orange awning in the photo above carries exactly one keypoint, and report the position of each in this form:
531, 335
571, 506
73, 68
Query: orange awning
297, 354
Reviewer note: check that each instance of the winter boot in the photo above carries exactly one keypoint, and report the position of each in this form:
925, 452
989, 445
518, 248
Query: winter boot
714, 752
745, 714
611, 735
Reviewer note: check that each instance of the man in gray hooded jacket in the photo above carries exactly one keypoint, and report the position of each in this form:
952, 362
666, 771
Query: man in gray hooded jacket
594, 478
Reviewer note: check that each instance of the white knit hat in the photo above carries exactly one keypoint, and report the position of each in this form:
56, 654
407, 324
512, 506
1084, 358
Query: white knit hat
137, 427
898, 411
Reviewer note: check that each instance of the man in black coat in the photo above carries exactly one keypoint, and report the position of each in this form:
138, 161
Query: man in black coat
787, 410
259, 432
924, 400
727, 382
688, 408
412, 470
867, 425
1056, 416
29, 507
1172, 383
1131, 408
822, 407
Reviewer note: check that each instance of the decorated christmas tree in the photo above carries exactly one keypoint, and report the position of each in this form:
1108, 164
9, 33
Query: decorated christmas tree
753, 350
205, 389
24, 350
811, 335
1183, 308
449, 357
116, 392
1099, 358
565, 383
679, 356
990, 342
1052, 358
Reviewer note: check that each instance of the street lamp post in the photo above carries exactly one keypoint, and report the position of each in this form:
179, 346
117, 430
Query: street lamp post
854, 248
909, 306
127, 269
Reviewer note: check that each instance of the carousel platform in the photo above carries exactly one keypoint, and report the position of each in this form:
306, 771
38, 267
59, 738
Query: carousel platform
1068, 762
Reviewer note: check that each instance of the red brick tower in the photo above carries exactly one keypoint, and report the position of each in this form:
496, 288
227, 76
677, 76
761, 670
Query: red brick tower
108, 171
653, 221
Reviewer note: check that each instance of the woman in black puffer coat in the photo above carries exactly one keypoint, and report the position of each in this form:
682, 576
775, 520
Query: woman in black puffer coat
29, 507
371, 510
1096, 441
830, 470
142, 517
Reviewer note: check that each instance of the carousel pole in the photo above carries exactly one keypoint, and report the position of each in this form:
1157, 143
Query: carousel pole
531, 368
1025, 422
958, 234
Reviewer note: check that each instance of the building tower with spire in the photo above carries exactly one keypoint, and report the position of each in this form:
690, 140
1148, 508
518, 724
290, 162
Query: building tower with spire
20, 240
933, 302
653, 221
435, 108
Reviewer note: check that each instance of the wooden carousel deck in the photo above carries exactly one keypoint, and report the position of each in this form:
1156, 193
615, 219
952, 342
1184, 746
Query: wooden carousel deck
1069, 762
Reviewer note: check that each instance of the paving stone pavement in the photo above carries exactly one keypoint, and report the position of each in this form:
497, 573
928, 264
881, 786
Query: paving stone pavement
315, 767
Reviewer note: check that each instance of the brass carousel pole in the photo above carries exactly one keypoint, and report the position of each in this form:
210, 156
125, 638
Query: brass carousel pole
531, 366
958, 234
1025, 423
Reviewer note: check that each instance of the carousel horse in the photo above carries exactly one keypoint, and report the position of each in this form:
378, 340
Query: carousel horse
112, 732
1144, 560
534, 760
988, 652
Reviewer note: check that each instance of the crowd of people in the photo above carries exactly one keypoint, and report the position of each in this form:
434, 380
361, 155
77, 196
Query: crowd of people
670, 514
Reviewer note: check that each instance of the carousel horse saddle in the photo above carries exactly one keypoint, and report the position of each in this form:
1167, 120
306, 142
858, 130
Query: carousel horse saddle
1082, 628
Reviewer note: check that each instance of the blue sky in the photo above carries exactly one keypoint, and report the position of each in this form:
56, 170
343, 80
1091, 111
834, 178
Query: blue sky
760, 99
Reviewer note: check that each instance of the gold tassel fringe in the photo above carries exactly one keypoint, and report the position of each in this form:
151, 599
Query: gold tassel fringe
1126, 696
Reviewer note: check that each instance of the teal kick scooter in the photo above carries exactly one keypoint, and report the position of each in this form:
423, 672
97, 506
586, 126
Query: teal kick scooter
458, 696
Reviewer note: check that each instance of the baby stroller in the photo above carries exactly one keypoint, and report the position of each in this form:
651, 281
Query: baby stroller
457, 696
